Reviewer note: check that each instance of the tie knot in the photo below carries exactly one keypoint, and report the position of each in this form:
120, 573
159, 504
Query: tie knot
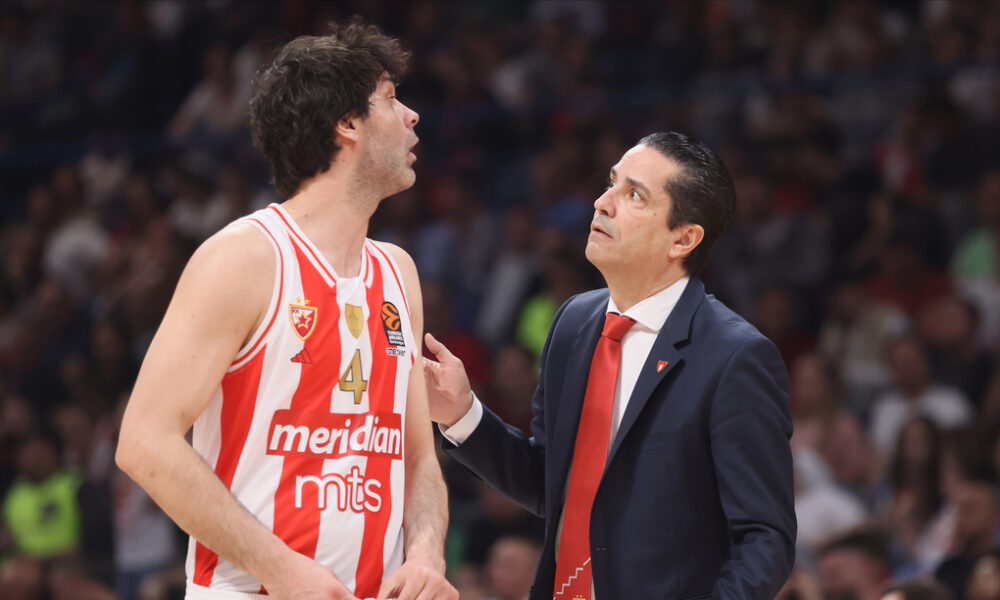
616, 325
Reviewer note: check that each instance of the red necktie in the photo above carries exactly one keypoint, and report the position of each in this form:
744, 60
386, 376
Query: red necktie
573, 574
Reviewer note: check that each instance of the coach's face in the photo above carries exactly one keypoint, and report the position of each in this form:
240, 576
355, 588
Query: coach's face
630, 232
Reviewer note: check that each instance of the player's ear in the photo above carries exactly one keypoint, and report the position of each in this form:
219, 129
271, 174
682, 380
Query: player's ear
347, 129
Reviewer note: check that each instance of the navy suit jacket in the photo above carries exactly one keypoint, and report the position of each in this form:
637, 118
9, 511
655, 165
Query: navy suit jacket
696, 499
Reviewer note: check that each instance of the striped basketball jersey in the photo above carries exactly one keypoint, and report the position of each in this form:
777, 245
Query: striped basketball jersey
307, 426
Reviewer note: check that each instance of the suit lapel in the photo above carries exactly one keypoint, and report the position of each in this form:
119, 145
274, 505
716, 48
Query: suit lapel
675, 332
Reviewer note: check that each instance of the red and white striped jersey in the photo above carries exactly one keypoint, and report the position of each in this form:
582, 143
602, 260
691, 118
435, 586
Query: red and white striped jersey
307, 426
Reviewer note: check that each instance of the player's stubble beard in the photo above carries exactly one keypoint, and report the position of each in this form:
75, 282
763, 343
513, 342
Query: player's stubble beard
383, 170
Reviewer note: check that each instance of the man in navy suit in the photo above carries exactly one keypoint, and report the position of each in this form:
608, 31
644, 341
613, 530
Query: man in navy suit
678, 483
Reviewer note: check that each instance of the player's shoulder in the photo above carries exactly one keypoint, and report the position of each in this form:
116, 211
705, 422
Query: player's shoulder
400, 256
238, 257
241, 243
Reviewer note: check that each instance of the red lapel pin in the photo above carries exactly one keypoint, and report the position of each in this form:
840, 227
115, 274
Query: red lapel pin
661, 365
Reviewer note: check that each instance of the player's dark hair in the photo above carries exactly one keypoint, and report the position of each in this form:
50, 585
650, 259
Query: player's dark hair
312, 83
701, 194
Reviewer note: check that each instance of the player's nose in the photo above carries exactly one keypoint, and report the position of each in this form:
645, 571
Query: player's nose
411, 117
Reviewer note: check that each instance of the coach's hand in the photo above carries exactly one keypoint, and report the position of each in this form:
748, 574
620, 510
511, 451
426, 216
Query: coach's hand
449, 393
305, 579
417, 580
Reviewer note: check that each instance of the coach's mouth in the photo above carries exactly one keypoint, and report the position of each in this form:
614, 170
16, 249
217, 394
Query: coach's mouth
597, 229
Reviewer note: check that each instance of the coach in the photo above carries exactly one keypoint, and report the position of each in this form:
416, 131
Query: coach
659, 451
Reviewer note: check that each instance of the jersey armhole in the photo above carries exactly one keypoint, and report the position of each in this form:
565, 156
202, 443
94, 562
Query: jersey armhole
394, 267
256, 341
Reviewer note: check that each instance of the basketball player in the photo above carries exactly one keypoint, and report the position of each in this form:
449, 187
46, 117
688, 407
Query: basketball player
289, 346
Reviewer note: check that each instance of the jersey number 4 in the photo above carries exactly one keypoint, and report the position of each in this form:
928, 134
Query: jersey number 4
353, 379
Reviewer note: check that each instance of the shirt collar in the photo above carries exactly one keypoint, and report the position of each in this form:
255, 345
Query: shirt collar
652, 312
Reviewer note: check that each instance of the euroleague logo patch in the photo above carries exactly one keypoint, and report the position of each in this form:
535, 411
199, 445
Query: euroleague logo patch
392, 324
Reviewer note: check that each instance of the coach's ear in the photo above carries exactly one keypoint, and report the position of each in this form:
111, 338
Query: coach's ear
347, 130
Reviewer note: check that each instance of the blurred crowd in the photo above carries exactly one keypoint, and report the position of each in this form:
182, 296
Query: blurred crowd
863, 137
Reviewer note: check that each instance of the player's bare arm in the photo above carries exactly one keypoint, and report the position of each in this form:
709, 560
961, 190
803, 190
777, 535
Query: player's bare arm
425, 516
219, 302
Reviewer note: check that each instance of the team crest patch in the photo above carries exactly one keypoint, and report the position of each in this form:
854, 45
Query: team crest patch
303, 318
355, 317
392, 324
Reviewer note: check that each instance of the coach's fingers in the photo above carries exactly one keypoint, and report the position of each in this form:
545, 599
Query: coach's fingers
440, 351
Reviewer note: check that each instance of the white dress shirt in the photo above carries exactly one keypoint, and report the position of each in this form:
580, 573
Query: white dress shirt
649, 315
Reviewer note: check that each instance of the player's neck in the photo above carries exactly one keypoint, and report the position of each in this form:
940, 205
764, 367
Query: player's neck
335, 218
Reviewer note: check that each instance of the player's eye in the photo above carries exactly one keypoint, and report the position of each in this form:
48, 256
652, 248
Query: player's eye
634, 194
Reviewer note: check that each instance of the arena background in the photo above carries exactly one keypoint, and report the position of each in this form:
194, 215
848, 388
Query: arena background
863, 137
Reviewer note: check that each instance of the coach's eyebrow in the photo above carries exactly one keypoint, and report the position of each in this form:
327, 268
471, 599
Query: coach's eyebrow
634, 183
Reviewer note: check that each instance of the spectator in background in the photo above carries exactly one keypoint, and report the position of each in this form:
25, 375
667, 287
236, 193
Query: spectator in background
975, 535
31, 61
903, 278
22, 260
822, 509
854, 462
78, 243
816, 400
17, 422
975, 265
563, 275
801, 585
919, 589
777, 314
43, 516
950, 327
191, 212
510, 568
514, 378
41, 510
145, 539
914, 513
914, 393
513, 273
218, 104
441, 321
853, 338
469, 582
984, 583
499, 518
854, 567
765, 247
